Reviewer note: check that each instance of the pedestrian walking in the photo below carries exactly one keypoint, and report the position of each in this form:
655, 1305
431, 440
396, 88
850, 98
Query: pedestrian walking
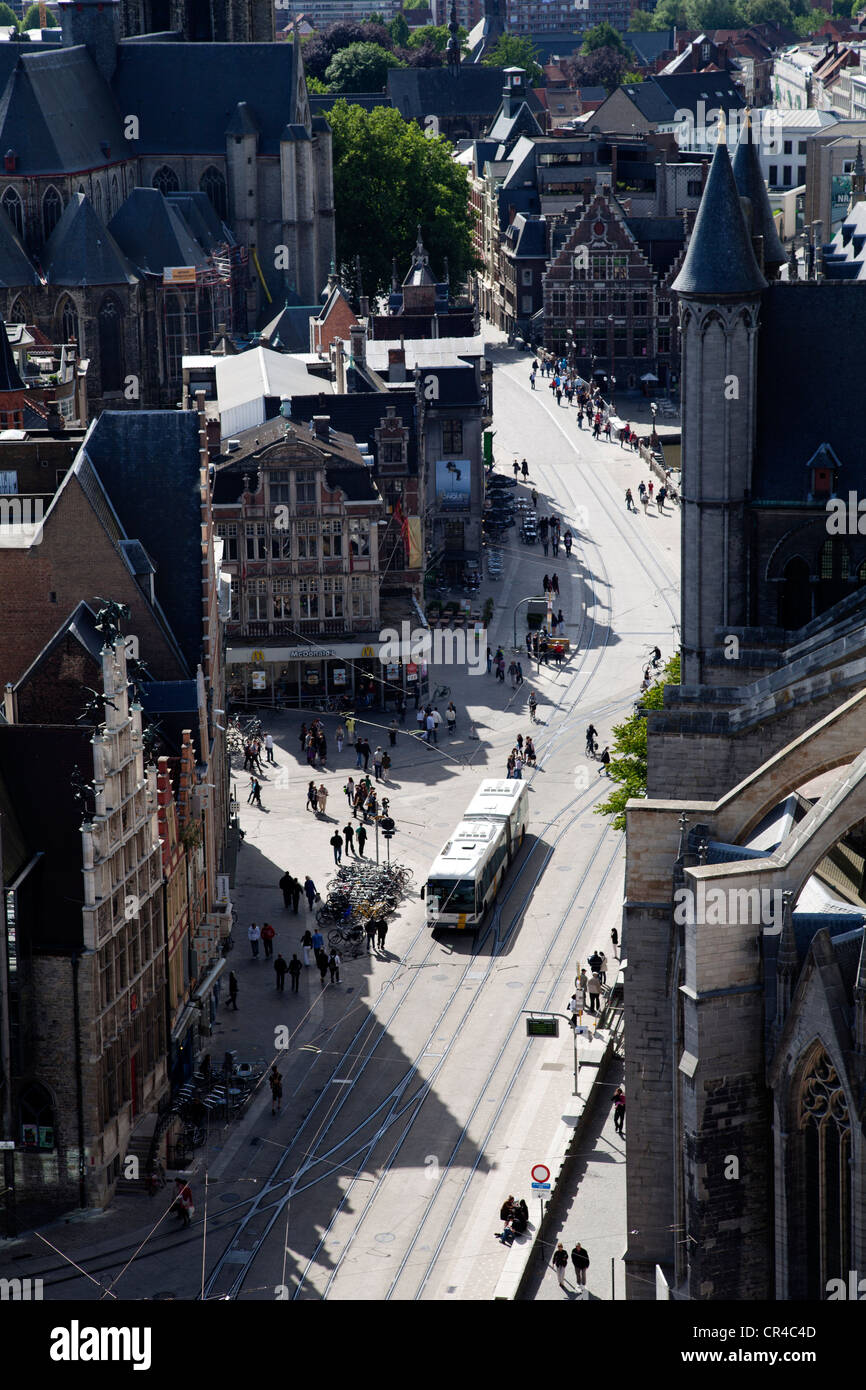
307, 945
593, 990
524, 469
568, 541
618, 1109
580, 1260
254, 936
255, 795
370, 929
602, 967
431, 728
381, 932
350, 728
275, 1080
489, 661
334, 963
349, 789
386, 766
534, 496
295, 969
322, 799
268, 935
361, 837
233, 991
269, 750
322, 963
349, 837
336, 841
312, 797
318, 942
286, 889
516, 467
629, 501
545, 583
451, 717
512, 671
393, 728
554, 584
377, 763
182, 1205
310, 890
437, 720
560, 1263
296, 895
519, 673
533, 705
339, 735
614, 939
604, 759
280, 968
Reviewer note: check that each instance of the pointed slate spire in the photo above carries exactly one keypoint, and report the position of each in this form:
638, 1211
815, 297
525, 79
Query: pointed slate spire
9, 377
720, 262
750, 182
452, 52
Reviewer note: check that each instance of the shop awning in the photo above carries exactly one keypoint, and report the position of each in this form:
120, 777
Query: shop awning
203, 990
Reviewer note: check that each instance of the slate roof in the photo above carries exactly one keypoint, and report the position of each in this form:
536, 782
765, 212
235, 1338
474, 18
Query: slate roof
15, 267
750, 182
190, 92
153, 234
720, 260
361, 416
81, 624
36, 764
290, 330
475, 91
527, 237
56, 111
505, 129
651, 45
200, 215
148, 463
81, 251
807, 390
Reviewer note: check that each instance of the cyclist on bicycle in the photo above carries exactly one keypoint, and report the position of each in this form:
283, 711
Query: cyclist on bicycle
591, 746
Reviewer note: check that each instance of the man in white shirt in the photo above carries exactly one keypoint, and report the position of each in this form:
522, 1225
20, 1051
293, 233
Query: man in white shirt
269, 750
431, 729
437, 720
254, 935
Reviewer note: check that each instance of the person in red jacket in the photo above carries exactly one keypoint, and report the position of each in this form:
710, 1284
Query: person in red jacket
268, 935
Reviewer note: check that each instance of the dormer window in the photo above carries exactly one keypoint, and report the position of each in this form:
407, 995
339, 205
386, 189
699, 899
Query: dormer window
824, 467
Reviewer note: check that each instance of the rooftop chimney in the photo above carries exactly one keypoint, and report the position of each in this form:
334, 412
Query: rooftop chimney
358, 337
396, 364
322, 427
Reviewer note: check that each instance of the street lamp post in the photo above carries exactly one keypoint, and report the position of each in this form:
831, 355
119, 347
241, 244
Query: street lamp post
654, 408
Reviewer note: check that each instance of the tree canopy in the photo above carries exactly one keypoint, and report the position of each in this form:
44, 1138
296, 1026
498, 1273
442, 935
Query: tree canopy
513, 51
31, 19
730, 14
321, 48
399, 31
8, 16
604, 36
628, 754
362, 67
389, 178
605, 67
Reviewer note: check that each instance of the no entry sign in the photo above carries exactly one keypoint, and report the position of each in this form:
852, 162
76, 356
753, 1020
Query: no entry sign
541, 1174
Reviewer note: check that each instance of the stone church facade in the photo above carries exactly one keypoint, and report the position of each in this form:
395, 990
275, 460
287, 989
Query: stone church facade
214, 118
746, 1019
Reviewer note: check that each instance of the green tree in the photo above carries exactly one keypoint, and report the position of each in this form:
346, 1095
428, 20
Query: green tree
317, 86
605, 36
376, 17
628, 760
437, 34
668, 13
645, 22
415, 5
399, 31
8, 17
512, 51
31, 19
362, 67
389, 178
805, 25
764, 12
711, 14
630, 78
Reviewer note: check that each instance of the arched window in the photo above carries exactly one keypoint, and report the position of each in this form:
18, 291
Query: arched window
69, 321
52, 210
14, 209
115, 194
825, 1125
214, 185
36, 1117
109, 325
835, 559
20, 311
97, 200
166, 180
173, 336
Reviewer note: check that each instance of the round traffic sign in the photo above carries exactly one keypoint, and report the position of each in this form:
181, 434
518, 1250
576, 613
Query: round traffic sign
541, 1173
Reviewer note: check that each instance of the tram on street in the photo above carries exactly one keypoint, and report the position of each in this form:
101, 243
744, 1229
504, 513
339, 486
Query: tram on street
465, 876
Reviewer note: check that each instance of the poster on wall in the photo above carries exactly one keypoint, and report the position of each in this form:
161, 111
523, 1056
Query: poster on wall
411, 671
259, 680
338, 676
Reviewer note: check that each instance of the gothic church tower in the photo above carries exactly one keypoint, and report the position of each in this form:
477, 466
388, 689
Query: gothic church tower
201, 21
719, 286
